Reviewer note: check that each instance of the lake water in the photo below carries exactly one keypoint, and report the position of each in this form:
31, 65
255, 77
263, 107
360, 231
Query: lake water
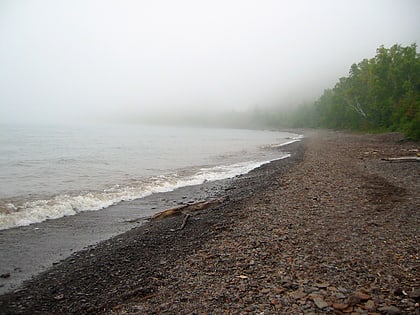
52, 171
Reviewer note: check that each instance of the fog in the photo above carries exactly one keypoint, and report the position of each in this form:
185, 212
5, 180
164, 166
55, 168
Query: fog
104, 60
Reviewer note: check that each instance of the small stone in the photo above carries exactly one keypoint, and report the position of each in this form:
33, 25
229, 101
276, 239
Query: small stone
59, 297
348, 310
340, 295
353, 300
340, 306
320, 303
370, 305
278, 290
5, 275
342, 290
298, 294
362, 296
390, 310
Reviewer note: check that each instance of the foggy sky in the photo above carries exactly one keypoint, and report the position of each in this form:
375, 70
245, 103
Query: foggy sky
80, 59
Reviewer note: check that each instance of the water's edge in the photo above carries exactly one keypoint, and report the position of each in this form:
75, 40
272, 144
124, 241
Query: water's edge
30, 250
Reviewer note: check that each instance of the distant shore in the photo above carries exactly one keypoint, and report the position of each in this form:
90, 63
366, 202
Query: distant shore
332, 229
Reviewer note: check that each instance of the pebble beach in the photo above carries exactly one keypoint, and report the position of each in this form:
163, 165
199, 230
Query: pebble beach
333, 229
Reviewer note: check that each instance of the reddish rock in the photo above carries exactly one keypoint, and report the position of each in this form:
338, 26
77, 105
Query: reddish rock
362, 296
340, 306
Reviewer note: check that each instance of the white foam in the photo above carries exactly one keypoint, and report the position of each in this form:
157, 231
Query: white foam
65, 205
297, 138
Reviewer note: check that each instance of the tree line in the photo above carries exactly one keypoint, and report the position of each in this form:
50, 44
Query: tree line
379, 94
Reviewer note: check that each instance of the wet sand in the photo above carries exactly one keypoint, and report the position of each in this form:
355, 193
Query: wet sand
332, 230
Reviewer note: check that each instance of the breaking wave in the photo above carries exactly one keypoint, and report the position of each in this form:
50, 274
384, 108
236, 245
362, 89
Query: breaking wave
14, 213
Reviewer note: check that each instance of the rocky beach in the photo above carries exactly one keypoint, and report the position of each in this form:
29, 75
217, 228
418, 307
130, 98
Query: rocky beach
334, 229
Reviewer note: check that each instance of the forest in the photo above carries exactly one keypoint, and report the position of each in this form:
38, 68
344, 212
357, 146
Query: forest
379, 94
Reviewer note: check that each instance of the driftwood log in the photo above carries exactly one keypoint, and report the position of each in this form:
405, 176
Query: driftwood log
183, 209
403, 159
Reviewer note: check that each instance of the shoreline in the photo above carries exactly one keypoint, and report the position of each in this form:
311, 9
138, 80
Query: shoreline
331, 230
30, 250
132, 170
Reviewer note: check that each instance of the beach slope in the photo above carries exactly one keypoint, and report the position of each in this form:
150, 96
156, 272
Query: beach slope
334, 229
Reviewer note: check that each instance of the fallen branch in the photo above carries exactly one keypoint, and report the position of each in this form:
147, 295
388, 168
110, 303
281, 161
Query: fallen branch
183, 223
187, 208
403, 159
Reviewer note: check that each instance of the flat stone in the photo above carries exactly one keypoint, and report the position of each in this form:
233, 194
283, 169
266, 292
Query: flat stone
370, 305
340, 295
362, 296
278, 290
298, 294
353, 300
340, 306
390, 310
320, 303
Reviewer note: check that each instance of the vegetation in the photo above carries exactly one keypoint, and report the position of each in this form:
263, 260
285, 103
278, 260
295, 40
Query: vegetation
380, 94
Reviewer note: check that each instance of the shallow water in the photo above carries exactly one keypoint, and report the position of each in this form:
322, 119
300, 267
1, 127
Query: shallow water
54, 171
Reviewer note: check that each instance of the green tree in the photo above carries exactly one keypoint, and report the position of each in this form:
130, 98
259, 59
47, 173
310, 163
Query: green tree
382, 93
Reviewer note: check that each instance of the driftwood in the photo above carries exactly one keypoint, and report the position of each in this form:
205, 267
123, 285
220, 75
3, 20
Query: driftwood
187, 208
403, 159
183, 223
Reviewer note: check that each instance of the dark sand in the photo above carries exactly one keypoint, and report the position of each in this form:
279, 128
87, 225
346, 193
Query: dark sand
331, 230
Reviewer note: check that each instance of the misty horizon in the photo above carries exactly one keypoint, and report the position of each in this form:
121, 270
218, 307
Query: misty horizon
65, 61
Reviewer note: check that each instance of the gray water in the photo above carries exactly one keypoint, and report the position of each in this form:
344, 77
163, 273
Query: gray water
53, 171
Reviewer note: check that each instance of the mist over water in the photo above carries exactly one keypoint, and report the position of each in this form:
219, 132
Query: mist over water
53, 171
92, 60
